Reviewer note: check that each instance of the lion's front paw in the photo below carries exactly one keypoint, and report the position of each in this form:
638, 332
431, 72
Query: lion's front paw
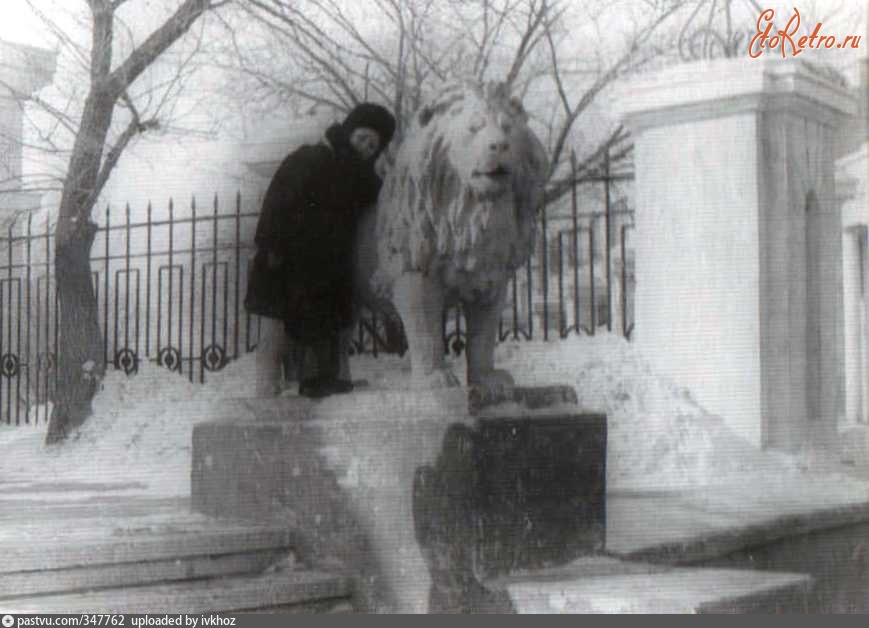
496, 386
496, 380
437, 378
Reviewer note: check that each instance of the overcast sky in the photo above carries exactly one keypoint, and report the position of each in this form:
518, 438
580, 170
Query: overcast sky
19, 25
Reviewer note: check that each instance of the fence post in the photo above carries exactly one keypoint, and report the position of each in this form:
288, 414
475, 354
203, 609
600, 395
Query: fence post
127, 296
192, 283
8, 311
106, 291
592, 283
148, 284
545, 267
561, 316
169, 301
574, 210
237, 269
48, 348
2, 310
529, 293
29, 279
607, 240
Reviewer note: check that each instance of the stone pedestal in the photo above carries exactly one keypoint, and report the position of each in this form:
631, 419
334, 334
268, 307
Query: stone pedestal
411, 494
739, 244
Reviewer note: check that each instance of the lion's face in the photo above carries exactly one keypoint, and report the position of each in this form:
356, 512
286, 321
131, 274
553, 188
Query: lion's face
485, 152
485, 133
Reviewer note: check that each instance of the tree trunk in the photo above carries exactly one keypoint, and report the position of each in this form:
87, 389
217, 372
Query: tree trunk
81, 364
80, 353
80, 360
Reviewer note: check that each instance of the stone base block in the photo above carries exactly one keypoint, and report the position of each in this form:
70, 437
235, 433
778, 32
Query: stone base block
413, 496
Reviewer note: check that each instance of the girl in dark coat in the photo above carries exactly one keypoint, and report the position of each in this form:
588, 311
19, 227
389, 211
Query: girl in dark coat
303, 270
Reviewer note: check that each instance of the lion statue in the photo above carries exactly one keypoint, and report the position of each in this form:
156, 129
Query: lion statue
456, 216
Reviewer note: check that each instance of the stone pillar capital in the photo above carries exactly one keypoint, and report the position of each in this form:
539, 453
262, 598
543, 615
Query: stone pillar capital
24, 69
713, 89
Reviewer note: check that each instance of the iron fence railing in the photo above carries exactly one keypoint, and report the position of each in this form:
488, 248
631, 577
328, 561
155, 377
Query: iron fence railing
170, 285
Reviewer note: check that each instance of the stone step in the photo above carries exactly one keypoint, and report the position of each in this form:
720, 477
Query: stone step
23, 583
602, 585
69, 554
285, 591
160, 539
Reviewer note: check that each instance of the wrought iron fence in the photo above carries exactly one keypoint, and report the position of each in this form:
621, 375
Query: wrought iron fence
170, 285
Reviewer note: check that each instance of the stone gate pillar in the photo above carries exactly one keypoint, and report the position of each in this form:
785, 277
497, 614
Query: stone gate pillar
738, 241
23, 70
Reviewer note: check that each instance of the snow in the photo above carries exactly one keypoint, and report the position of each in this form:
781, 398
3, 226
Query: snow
659, 437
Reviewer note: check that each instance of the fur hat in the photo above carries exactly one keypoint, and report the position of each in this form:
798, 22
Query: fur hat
371, 116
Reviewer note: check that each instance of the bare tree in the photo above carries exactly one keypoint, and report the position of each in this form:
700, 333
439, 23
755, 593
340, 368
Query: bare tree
397, 54
401, 51
115, 106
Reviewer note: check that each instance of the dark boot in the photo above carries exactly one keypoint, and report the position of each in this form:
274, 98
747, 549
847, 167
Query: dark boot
330, 359
315, 388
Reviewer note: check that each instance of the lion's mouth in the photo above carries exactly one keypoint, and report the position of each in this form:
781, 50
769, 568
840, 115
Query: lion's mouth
498, 173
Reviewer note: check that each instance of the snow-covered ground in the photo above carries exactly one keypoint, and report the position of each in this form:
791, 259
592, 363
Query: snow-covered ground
658, 436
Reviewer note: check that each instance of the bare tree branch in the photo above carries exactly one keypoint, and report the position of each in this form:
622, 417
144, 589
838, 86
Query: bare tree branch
530, 37
134, 128
556, 73
624, 62
157, 43
80, 53
559, 187
306, 42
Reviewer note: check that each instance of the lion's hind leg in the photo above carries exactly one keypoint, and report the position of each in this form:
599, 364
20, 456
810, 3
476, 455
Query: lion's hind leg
419, 300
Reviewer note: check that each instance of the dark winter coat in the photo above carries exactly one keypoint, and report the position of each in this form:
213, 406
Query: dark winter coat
308, 220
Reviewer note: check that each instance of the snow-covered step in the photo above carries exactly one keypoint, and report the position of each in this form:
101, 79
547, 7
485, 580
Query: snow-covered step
602, 585
23, 583
169, 561
78, 553
293, 590
97, 542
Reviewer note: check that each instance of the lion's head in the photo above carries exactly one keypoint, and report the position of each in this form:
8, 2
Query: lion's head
463, 194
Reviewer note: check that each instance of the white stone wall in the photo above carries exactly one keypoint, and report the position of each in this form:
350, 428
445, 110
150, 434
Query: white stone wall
851, 180
738, 242
697, 268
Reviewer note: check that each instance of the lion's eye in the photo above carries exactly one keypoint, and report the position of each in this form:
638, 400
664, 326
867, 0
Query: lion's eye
476, 125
